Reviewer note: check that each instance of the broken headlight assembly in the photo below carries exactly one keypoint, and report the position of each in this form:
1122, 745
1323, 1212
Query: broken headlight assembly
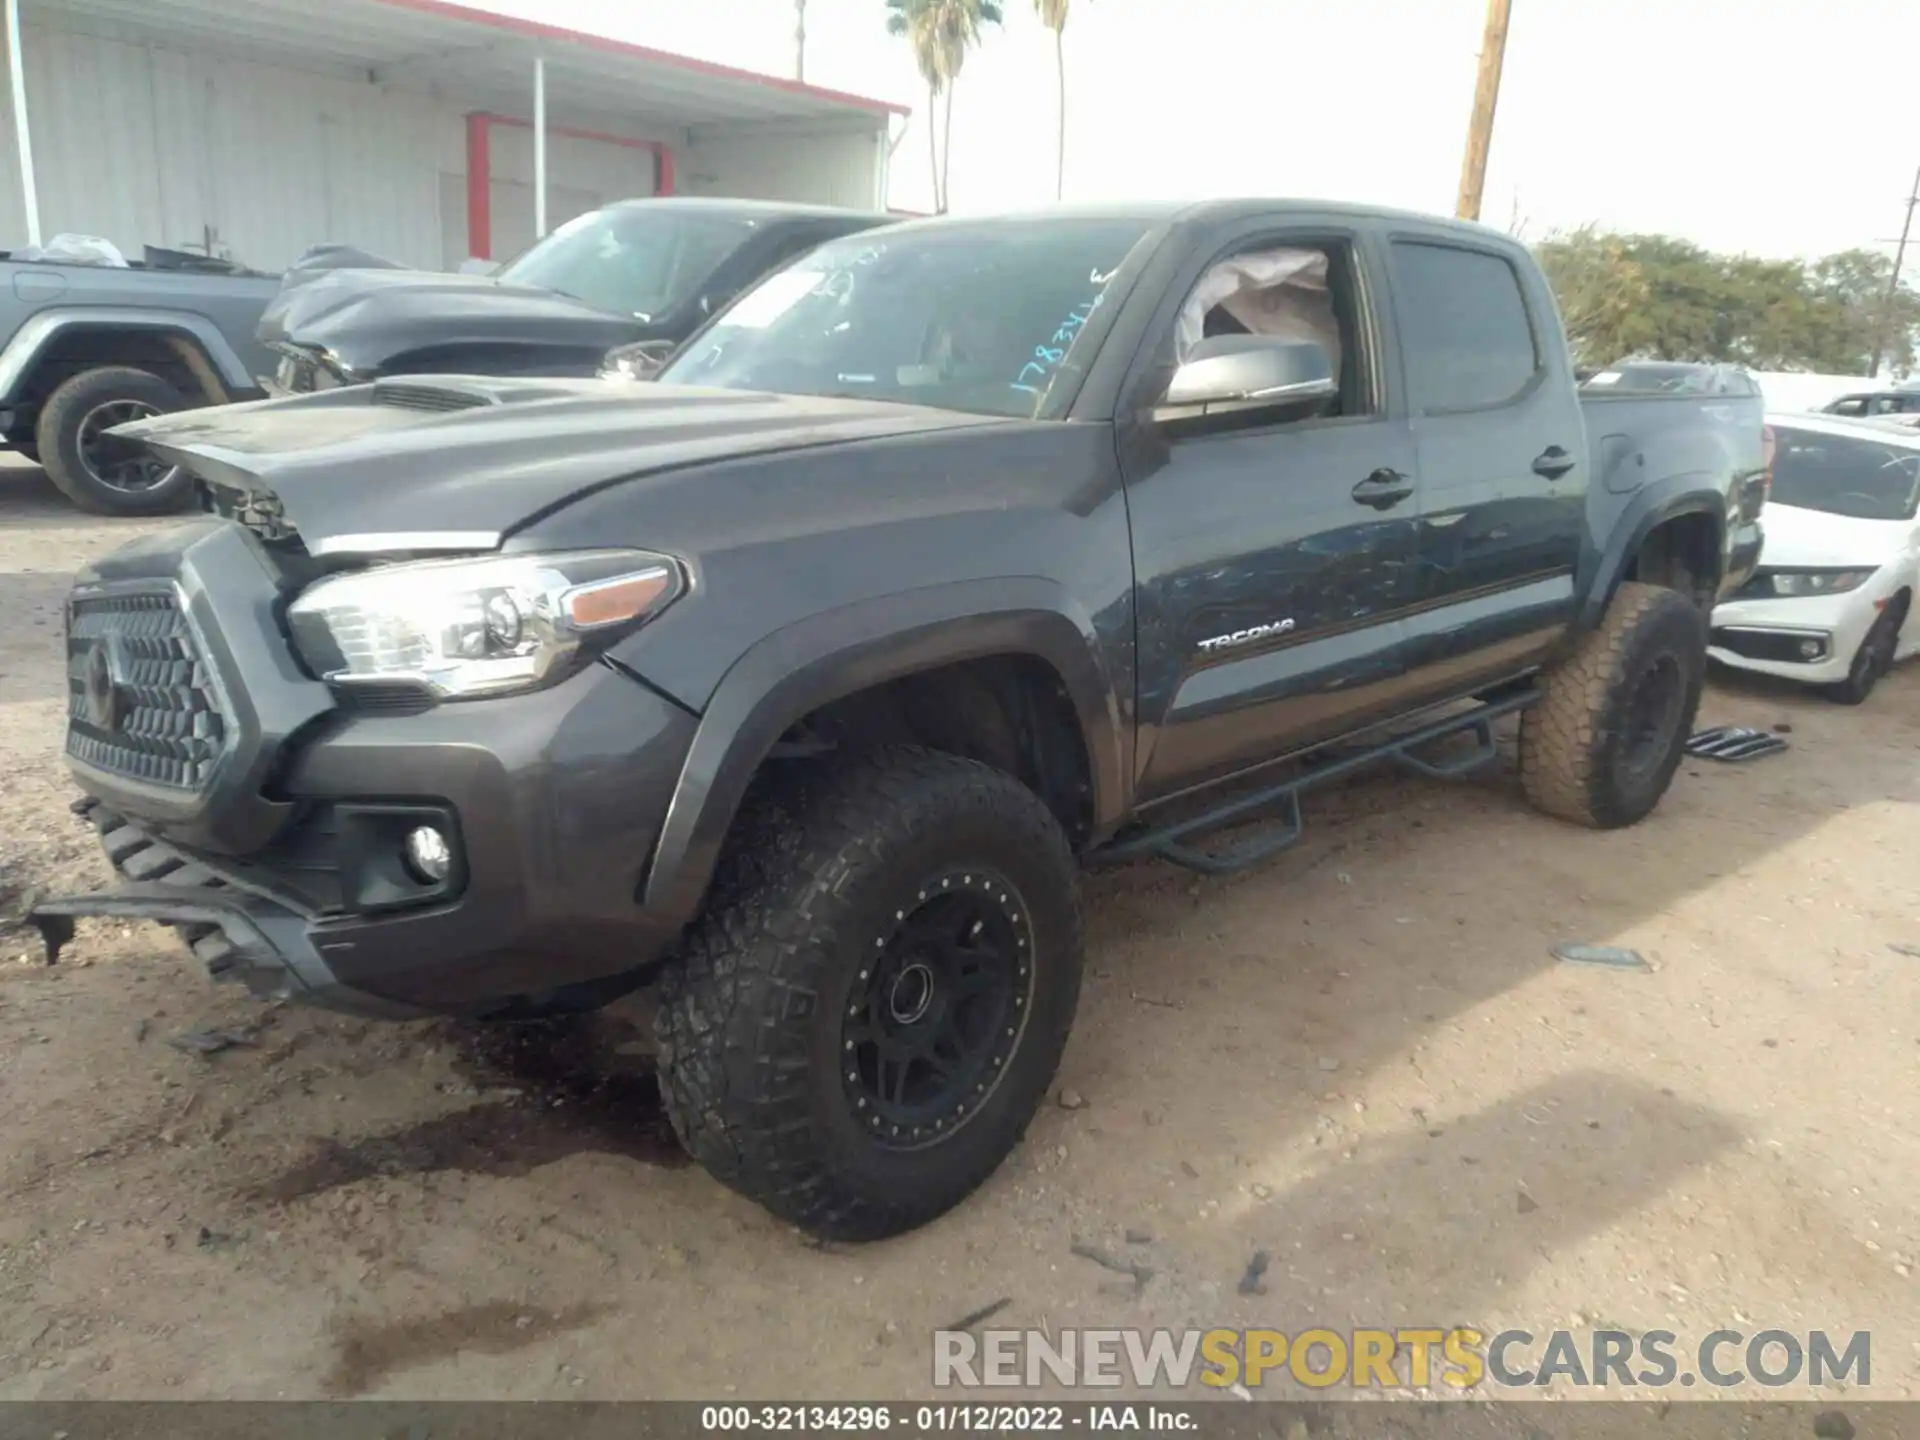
492, 625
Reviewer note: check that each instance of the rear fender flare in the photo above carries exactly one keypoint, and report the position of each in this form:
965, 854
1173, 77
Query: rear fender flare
814, 661
43, 327
1650, 507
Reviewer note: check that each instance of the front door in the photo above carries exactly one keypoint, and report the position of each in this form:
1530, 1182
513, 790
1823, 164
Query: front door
1272, 559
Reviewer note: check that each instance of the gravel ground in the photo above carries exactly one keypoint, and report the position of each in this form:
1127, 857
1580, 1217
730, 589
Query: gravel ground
1361, 1059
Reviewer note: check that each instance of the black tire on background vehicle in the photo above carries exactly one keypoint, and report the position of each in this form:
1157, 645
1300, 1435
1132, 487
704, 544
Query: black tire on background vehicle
873, 1007
1873, 659
94, 473
1600, 749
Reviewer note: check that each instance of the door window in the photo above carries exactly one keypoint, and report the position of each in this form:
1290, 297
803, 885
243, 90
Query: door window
1466, 338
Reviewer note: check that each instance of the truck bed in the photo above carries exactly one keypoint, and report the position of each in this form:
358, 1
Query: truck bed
1640, 439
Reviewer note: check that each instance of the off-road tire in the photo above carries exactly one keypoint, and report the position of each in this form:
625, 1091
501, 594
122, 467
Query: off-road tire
57, 437
816, 874
1574, 743
1872, 660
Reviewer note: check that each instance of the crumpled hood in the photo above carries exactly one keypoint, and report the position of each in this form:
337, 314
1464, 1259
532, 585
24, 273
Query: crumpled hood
368, 317
479, 457
1799, 538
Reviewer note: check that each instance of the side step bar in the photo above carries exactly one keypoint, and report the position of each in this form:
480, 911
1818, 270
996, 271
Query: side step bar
1169, 842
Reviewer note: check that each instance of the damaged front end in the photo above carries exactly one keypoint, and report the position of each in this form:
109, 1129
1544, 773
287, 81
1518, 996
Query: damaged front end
367, 846
162, 725
239, 928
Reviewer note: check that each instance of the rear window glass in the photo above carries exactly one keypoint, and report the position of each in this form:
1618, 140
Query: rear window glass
1464, 328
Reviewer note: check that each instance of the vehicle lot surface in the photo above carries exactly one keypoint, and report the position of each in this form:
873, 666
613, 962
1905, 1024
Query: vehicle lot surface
1361, 1059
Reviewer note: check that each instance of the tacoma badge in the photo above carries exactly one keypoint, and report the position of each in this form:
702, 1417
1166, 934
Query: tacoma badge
1248, 636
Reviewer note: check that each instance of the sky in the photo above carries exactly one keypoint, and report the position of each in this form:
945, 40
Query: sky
1770, 127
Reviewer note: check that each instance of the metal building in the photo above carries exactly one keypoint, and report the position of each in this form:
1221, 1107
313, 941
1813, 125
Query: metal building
421, 129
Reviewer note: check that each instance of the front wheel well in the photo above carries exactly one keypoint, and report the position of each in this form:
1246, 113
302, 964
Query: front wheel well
175, 357
1012, 712
1681, 553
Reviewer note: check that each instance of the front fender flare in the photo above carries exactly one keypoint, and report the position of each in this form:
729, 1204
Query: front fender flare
1651, 506
43, 327
836, 653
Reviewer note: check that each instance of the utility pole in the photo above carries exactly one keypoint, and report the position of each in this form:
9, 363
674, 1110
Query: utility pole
800, 39
1486, 95
1880, 335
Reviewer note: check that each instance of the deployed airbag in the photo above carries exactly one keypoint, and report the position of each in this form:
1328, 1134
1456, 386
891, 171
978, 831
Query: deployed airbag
1282, 293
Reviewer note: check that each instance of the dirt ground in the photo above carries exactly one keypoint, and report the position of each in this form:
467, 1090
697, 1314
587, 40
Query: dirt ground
1361, 1059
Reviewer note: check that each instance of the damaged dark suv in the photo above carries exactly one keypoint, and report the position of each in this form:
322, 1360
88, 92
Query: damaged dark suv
799, 682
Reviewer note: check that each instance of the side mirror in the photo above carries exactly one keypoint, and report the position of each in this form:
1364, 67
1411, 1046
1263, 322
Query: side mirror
1249, 374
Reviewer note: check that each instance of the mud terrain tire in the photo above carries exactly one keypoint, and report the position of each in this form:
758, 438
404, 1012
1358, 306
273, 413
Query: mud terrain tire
861, 907
1600, 749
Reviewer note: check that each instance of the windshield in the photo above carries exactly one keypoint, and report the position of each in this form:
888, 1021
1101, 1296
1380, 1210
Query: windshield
1840, 475
630, 260
977, 318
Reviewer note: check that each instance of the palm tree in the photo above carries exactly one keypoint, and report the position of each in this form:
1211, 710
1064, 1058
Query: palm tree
917, 21
941, 33
961, 24
1053, 15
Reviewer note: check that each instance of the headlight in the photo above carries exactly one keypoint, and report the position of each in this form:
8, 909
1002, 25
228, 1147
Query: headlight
1795, 584
485, 626
304, 371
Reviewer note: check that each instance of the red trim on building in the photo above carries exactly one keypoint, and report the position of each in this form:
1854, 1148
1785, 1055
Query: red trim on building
541, 30
479, 186
480, 168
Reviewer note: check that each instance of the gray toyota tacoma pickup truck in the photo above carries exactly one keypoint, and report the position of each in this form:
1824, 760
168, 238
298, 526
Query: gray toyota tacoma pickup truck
798, 682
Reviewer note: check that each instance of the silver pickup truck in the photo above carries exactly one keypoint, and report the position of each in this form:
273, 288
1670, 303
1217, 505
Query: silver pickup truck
88, 347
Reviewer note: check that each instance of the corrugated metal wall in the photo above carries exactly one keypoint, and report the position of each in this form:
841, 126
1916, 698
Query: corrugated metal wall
146, 144
582, 175
832, 168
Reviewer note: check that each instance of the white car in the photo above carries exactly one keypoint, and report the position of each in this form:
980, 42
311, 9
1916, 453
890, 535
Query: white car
1832, 601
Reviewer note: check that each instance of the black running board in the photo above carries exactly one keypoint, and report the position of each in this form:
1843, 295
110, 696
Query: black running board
1169, 842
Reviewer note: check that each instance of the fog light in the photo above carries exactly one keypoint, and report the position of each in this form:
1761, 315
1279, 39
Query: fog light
429, 856
1810, 649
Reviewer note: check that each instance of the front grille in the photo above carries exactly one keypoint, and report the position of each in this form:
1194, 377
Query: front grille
140, 700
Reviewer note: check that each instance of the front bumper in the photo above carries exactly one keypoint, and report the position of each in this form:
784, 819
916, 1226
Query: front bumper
282, 869
1811, 639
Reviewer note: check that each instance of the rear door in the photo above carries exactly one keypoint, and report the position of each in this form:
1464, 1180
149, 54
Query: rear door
1270, 576
1502, 455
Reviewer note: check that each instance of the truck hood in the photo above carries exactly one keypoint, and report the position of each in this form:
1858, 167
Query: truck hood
366, 318
459, 463
1799, 538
